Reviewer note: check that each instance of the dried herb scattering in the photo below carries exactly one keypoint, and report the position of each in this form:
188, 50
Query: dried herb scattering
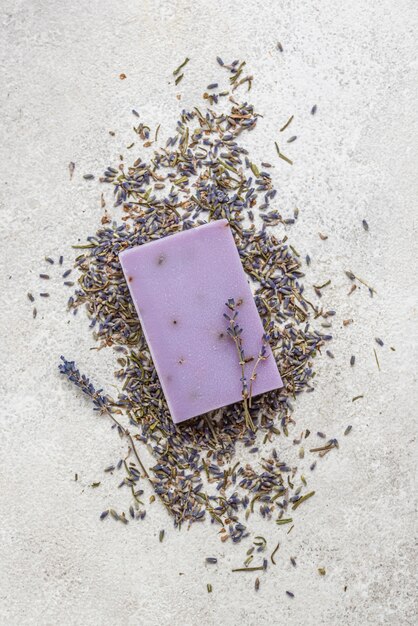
202, 173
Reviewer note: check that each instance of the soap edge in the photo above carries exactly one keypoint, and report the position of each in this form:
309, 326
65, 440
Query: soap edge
181, 233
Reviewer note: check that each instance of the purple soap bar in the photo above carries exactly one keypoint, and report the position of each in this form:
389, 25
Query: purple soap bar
179, 285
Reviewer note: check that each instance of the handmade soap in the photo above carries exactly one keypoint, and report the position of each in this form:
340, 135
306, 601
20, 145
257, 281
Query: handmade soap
179, 285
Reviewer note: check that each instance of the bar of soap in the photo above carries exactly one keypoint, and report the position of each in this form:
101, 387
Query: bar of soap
179, 285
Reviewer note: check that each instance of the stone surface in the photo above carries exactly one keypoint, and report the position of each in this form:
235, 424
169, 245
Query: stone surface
355, 159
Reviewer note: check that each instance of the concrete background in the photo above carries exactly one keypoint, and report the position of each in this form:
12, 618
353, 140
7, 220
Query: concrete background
357, 158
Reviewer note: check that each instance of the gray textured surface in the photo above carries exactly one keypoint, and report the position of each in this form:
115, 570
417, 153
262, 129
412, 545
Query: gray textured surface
356, 159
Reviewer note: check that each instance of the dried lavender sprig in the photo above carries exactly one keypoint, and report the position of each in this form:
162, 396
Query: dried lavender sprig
104, 404
262, 356
235, 332
101, 403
